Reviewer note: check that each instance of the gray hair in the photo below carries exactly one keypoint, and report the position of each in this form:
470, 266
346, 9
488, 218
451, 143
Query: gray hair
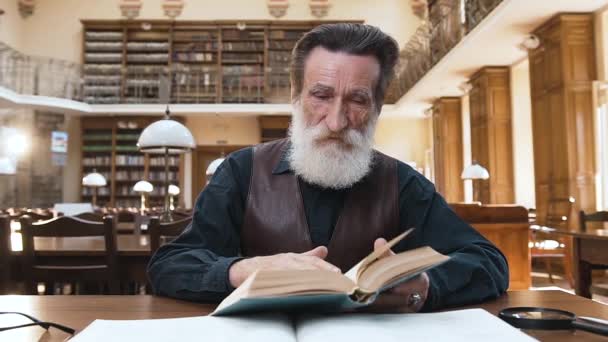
354, 39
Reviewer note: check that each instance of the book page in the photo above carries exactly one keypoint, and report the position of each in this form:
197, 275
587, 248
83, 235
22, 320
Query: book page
354, 273
462, 325
196, 329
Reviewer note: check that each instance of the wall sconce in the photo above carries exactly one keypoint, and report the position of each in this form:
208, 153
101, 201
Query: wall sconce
531, 42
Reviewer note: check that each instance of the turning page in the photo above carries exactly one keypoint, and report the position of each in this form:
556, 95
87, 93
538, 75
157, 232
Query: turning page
462, 325
262, 328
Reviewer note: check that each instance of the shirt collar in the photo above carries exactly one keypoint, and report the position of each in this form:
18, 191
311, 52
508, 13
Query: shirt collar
283, 164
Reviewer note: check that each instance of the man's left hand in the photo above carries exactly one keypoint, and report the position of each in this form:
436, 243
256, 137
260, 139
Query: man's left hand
406, 297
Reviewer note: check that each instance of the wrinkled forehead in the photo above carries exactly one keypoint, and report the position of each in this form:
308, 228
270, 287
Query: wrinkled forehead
340, 71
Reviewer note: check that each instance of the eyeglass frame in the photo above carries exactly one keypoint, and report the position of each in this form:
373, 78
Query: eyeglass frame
36, 322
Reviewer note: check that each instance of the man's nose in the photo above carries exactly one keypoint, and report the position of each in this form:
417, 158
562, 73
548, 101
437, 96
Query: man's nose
337, 120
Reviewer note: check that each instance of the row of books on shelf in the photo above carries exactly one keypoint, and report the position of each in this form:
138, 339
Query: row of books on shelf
103, 35
97, 148
103, 46
130, 160
190, 56
231, 57
282, 45
203, 78
280, 57
147, 46
160, 161
239, 82
194, 36
97, 136
196, 46
242, 46
134, 175
101, 99
102, 90
127, 136
286, 34
244, 34
101, 191
242, 70
160, 176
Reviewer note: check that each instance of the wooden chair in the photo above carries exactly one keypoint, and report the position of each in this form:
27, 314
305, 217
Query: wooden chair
598, 217
549, 246
90, 217
37, 269
159, 232
5, 253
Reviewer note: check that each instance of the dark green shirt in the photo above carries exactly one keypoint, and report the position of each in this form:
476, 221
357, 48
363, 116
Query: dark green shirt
195, 265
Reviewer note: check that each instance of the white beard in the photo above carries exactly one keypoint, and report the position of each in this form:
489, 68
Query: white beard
330, 164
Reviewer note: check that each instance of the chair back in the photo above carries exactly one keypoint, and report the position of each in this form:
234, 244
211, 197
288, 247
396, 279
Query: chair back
600, 216
5, 253
159, 231
37, 268
559, 212
88, 216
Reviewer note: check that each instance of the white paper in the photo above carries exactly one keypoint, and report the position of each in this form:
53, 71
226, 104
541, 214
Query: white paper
462, 325
208, 329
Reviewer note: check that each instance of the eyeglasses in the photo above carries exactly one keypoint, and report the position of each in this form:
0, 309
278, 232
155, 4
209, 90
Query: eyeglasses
35, 321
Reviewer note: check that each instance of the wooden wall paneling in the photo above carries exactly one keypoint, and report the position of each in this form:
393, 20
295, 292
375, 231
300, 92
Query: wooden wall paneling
491, 137
561, 73
447, 148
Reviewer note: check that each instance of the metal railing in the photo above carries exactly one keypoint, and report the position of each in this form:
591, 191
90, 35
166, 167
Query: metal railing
30, 75
448, 23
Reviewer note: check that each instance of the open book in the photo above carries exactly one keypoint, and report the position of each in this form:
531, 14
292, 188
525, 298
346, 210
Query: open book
454, 326
326, 291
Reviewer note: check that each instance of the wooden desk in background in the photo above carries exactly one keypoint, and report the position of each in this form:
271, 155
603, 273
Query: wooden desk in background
79, 311
507, 227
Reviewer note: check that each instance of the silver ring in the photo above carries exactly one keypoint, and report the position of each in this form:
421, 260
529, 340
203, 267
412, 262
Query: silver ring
414, 299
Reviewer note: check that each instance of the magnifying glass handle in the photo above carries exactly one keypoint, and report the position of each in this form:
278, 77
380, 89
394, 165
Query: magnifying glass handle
600, 329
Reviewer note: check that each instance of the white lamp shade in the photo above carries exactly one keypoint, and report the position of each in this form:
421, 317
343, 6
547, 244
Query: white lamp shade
213, 166
163, 134
173, 190
94, 179
143, 186
7, 166
475, 171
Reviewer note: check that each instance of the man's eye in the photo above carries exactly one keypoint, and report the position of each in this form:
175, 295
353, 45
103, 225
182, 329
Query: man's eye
321, 96
360, 101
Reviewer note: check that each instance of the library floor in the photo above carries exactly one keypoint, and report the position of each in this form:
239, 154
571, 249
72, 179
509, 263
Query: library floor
540, 281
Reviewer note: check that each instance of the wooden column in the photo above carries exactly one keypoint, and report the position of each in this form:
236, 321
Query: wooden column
447, 148
561, 73
491, 134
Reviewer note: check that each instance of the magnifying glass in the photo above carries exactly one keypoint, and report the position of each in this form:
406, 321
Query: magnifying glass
549, 319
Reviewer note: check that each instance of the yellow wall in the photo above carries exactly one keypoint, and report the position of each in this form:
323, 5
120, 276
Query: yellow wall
405, 139
11, 24
233, 130
55, 30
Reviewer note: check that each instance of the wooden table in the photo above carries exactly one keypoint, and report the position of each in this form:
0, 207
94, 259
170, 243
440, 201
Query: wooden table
590, 251
79, 311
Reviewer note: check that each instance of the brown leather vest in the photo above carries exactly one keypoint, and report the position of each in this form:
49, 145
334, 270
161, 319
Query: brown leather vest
275, 219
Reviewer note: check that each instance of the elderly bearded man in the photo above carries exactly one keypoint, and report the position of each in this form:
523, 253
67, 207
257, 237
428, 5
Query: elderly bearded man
324, 198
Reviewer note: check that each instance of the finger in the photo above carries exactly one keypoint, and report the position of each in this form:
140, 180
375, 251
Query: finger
320, 263
319, 252
381, 242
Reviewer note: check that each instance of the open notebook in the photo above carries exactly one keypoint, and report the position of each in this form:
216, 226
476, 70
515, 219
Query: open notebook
326, 291
463, 325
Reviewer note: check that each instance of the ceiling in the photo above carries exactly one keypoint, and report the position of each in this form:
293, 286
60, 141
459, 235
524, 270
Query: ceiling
495, 41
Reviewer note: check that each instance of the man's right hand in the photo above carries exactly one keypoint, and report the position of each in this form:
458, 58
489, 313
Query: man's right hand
311, 260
